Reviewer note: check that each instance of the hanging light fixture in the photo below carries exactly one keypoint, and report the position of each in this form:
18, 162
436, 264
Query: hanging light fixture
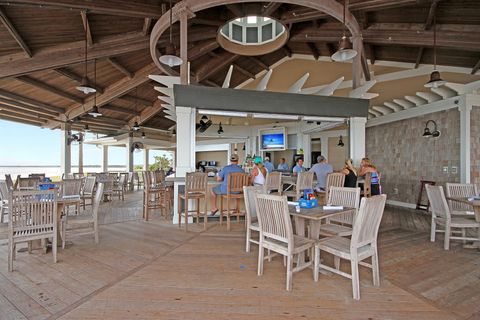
340, 142
220, 128
94, 112
170, 58
84, 86
345, 51
143, 135
435, 79
135, 127
86, 128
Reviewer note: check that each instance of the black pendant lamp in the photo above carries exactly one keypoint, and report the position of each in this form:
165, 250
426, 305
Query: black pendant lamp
136, 126
345, 51
95, 112
340, 142
170, 58
84, 86
435, 79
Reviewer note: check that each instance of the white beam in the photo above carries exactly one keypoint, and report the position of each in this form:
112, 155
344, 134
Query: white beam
465, 123
404, 103
298, 85
104, 158
262, 85
416, 100
382, 109
429, 96
395, 107
357, 139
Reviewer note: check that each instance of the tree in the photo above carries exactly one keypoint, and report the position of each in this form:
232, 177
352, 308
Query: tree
161, 163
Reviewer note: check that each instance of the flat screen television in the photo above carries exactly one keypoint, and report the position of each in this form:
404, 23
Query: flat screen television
273, 139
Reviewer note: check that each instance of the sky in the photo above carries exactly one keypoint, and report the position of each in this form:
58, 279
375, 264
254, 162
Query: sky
22, 145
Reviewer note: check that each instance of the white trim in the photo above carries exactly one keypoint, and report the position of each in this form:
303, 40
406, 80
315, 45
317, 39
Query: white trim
402, 204
211, 147
465, 125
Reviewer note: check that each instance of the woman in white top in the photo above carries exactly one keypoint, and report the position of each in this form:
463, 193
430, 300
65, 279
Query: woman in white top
258, 174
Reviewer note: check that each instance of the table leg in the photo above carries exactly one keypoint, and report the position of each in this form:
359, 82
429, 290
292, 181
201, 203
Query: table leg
300, 231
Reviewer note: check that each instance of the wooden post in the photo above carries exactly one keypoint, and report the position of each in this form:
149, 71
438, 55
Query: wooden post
357, 61
184, 47
104, 158
65, 152
80, 153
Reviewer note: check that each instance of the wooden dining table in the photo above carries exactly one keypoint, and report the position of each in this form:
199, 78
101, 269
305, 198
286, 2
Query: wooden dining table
476, 210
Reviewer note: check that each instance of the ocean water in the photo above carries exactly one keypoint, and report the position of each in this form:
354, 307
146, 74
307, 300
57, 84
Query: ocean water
50, 171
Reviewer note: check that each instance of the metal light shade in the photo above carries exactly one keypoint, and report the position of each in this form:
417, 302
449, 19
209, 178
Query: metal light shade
345, 51
427, 133
143, 135
94, 112
87, 128
169, 58
136, 127
85, 87
340, 142
435, 80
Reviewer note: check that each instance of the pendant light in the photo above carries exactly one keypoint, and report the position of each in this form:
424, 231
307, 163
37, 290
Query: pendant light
84, 86
143, 135
340, 142
345, 51
94, 112
169, 58
435, 79
87, 128
135, 127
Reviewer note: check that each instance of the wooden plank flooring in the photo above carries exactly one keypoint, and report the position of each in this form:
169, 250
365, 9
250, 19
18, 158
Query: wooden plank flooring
153, 270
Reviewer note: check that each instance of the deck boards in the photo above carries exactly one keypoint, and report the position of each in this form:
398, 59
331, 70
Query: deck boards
154, 270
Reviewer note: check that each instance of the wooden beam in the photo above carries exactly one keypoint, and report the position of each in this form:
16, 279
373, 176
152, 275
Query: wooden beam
259, 62
121, 110
476, 67
86, 27
27, 114
14, 115
147, 24
202, 48
118, 7
46, 87
419, 57
313, 48
120, 68
72, 53
30, 109
371, 53
287, 50
76, 78
133, 99
11, 29
365, 69
270, 8
29, 101
243, 71
207, 22
236, 9
214, 65
428, 24
148, 113
211, 83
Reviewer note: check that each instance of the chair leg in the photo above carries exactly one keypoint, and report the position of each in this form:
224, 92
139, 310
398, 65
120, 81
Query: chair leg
289, 272
29, 246
221, 210
54, 247
375, 269
336, 262
316, 267
355, 280
446, 243
433, 229
260, 259
249, 234
95, 230
237, 208
228, 214
205, 214
198, 210
463, 236
11, 250
186, 214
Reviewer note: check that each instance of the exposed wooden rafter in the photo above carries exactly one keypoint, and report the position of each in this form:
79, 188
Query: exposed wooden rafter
236, 9
201, 48
147, 114
121, 110
215, 64
46, 87
11, 29
138, 100
270, 8
86, 27
76, 78
476, 67
28, 101
117, 65
32, 110
313, 48
256, 60
428, 24
147, 24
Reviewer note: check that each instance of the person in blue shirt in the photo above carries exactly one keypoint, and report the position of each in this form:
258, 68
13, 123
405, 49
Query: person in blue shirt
268, 165
321, 169
299, 167
222, 176
283, 165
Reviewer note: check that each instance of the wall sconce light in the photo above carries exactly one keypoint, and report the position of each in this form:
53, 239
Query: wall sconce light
340, 142
220, 128
427, 133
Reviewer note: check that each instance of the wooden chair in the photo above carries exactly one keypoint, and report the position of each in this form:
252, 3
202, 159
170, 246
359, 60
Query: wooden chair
235, 183
341, 225
195, 189
119, 187
159, 176
154, 197
40, 176
88, 191
251, 213
71, 188
86, 220
304, 182
27, 184
367, 186
9, 181
3, 201
362, 245
109, 185
334, 179
33, 216
138, 178
461, 190
273, 182
276, 234
441, 215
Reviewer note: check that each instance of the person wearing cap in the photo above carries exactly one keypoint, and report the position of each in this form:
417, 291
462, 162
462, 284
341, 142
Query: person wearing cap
283, 165
222, 176
321, 169
258, 174
268, 165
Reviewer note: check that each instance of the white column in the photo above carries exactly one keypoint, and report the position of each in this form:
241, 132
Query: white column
357, 139
465, 168
80, 153
104, 158
65, 152
145, 159
129, 154
324, 146
307, 150
185, 141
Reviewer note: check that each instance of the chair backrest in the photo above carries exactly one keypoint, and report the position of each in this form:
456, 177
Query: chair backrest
97, 199
274, 219
438, 202
9, 181
236, 181
304, 181
159, 176
68, 176
89, 185
367, 221
78, 175
27, 183
273, 182
367, 185
196, 182
460, 190
122, 180
249, 194
347, 197
71, 187
334, 179
3, 191
40, 176
32, 212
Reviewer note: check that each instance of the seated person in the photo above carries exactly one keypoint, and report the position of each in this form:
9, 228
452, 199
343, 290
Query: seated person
283, 165
367, 166
268, 165
222, 176
258, 174
321, 169
350, 174
299, 167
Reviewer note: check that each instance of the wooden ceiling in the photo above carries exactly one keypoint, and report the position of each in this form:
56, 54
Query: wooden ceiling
42, 51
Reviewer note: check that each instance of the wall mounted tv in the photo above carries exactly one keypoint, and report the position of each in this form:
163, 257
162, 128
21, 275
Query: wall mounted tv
273, 139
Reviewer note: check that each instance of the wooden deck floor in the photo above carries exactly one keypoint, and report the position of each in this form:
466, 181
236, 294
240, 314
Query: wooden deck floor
153, 270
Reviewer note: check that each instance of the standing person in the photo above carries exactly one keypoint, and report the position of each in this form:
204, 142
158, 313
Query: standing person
258, 174
350, 174
321, 169
298, 167
268, 165
223, 177
367, 166
283, 165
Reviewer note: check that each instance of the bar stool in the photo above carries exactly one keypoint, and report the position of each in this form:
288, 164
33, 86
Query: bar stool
153, 196
235, 183
195, 189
